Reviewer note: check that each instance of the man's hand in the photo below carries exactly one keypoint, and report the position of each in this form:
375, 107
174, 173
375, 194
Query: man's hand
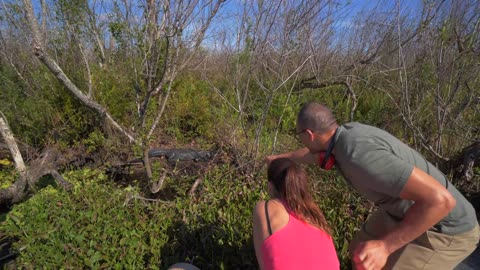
370, 255
269, 159
300, 156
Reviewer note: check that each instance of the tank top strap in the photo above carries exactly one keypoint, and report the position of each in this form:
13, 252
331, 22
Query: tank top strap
268, 218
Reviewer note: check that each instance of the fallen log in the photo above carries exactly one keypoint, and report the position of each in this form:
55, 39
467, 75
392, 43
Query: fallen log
28, 176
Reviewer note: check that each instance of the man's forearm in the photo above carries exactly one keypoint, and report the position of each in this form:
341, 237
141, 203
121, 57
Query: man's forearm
418, 219
301, 155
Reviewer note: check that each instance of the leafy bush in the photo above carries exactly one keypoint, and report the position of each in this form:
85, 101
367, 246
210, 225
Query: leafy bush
190, 113
91, 226
8, 175
114, 89
99, 225
214, 229
94, 141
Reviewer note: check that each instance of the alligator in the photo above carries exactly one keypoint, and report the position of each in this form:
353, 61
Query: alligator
173, 155
181, 154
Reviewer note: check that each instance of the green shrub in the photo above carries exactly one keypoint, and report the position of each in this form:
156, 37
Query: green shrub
95, 226
99, 225
94, 141
115, 90
190, 112
8, 175
214, 229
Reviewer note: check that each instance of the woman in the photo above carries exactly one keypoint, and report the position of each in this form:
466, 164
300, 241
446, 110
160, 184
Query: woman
290, 231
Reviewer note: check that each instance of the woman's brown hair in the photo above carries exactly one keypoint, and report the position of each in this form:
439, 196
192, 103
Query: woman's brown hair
290, 181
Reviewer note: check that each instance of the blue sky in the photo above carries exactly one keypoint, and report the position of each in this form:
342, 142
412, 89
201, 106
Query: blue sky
348, 10
412, 7
229, 16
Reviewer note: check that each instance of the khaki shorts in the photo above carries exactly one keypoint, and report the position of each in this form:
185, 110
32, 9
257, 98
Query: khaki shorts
431, 250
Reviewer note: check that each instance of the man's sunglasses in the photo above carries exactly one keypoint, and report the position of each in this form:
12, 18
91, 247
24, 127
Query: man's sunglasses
297, 134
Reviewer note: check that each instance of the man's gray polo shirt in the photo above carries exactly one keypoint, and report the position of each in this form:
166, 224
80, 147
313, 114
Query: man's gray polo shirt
378, 165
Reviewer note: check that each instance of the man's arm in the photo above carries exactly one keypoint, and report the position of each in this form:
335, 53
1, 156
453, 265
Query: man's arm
432, 202
301, 155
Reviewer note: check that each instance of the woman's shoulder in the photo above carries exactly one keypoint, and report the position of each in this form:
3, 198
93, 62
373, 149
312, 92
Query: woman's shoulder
273, 205
277, 214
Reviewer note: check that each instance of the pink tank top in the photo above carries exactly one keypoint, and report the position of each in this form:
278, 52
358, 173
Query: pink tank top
299, 246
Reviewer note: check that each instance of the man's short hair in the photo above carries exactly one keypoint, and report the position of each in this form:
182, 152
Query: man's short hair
316, 117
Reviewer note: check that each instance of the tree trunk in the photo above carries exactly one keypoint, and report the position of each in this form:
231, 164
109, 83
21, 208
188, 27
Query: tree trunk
43, 56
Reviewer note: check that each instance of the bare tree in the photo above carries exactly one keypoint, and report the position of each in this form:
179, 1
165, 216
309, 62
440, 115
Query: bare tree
168, 51
423, 62
173, 34
443, 54
42, 54
267, 58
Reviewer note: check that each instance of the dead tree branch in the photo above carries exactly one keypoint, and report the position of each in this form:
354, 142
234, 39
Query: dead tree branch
49, 62
195, 186
306, 84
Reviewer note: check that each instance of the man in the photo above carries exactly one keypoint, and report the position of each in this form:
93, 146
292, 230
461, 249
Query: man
423, 221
